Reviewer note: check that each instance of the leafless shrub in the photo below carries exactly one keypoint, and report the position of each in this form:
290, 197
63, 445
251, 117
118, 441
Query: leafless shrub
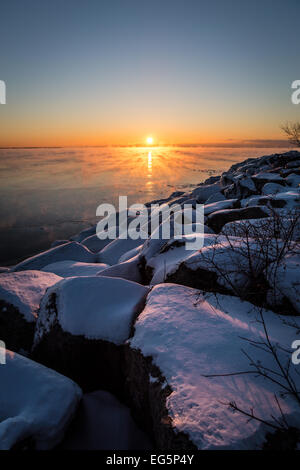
292, 131
247, 259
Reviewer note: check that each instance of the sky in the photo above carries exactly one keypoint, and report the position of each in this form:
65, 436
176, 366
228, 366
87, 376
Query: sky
101, 72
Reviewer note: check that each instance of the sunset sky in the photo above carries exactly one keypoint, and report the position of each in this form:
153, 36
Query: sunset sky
99, 72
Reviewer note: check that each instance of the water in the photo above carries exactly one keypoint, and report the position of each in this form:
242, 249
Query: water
49, 194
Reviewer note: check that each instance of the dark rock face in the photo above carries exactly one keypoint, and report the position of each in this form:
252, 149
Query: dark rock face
198, 279
15, 331
93, 364
103, 423
148, 402
220, 218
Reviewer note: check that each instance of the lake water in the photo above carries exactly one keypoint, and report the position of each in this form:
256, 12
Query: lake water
49, 194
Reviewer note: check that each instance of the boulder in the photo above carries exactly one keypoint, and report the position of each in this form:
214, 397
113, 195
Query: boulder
222, 217
20, 296
215, 198
102, 422
69, 251
220, 205
82, 325
74, 268
203, 192
36, 404
180, 366
94, 244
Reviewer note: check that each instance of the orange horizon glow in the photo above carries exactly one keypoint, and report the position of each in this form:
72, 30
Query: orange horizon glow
42, 138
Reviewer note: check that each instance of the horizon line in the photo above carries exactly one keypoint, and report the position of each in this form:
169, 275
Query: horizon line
246, 143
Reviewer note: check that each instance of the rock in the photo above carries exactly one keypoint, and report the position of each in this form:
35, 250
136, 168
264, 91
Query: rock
159, 264
82, 325
94, 244
4, 269
20, 296
70, 251
36, 404
293, 180
58, 243
254, 228
284, 280
117, 248
215, 198
183, 337
103, 423
217, 206
220, 218
74, 268
84, 234
212, 180
293, 164
271, 188
129, 270
260, 179
202, 193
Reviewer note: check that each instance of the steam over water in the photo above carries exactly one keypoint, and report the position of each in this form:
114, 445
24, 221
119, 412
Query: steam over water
49, 194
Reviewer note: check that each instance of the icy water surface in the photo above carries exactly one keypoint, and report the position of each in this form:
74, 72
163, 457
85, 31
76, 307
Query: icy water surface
49, 194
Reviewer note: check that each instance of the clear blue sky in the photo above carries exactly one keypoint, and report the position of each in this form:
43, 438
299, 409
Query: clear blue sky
115, 71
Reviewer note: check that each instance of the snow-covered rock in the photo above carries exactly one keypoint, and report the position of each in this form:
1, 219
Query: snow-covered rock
83, 321
70, 251
271, 188
203, 192
215, 198
293, 180
20, 296
36, 404
220, 205
129, 270
94, 244
79, 237
74, 268
58, 243
112, 253
183, 336
217, 219
261, 227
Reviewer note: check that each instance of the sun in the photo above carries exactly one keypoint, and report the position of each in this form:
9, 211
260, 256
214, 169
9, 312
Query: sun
149, 140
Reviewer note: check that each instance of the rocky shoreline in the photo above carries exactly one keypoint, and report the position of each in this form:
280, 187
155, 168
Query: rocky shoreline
169, 332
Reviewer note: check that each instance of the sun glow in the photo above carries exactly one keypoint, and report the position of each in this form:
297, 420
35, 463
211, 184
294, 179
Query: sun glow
149, 140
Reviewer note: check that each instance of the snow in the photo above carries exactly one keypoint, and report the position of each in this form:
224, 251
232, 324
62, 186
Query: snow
70, 251
293, 180
71, 268
190, 335
35, 403
268, 176
173, 255
215, 198
240, 228
117, 248
202, 193
271, 188
95, 307
217, 206
79, 237
94, 244
127, 270
25, 289
131, 253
